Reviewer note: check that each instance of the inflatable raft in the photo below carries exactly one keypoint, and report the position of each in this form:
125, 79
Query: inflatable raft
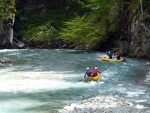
111, 60
92, 78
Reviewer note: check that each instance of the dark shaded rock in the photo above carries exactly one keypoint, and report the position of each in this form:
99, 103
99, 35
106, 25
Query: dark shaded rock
4, 61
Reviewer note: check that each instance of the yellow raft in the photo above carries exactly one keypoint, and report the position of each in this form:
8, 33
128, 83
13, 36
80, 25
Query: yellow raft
92, 78
111, 60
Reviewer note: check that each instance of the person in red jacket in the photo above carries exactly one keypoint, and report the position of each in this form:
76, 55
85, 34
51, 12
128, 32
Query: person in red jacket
95, 71
118, 55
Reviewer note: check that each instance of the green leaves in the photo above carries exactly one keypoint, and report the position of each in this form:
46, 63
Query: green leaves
92, 26
7, 11
79, 21
41, 33
79, 30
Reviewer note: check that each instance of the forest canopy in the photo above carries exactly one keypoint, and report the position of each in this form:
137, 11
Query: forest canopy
74, 21
90, 27
83, 21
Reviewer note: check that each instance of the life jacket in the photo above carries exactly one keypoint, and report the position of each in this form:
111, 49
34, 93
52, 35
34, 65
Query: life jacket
89, 73
118, 56
110, 55
95, 72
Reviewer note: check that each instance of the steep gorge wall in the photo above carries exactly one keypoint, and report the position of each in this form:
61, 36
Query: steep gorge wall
137, 43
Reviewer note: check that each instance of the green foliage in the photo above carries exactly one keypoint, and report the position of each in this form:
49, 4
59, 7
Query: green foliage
79, 30
7, 11
37, 25
78, 21
92, 26
41, 33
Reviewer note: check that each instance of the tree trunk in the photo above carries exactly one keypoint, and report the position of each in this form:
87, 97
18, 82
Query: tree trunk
10, 32
141, 7
2, 37
10, 35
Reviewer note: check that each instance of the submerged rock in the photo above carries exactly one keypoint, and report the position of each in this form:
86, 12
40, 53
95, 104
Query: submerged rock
4, 60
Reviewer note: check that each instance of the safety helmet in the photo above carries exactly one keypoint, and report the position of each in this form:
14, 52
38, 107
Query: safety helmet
87, 68
116, 53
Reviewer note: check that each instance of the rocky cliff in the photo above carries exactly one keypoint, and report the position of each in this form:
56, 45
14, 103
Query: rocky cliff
137, 32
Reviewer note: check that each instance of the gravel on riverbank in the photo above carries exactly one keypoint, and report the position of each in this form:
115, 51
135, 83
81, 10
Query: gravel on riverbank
104, 104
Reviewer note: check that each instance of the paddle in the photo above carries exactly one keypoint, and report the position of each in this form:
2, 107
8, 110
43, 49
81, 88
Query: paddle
80, 80
84, 79
103, 75
124, 59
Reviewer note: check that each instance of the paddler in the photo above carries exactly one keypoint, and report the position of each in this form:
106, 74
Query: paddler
109, 54
88, 73
95, 71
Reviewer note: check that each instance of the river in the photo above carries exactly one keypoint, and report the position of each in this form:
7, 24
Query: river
44, 81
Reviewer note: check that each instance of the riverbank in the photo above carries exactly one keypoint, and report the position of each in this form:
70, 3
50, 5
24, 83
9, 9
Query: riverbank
104, 104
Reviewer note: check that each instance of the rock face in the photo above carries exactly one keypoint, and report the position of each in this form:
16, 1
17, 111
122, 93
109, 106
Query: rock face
137, 43
140, 38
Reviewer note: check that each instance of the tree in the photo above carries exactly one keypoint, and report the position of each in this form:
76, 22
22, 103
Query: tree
79, 30
92, 26
7, 17
141, 7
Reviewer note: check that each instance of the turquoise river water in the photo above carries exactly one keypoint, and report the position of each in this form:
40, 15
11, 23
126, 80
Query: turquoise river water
44, 81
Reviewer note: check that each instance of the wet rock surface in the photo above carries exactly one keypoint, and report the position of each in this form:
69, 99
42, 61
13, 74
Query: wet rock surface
4, 60
104, 104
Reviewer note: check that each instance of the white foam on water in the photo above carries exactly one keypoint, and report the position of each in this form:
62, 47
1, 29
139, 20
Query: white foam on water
37, 81
120, 85
11, 51
108, 73
121, 90
139, 101
33, 82
139, 106
104, 56
135, 93
16, 105
93, 82
5, 50
30, 55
